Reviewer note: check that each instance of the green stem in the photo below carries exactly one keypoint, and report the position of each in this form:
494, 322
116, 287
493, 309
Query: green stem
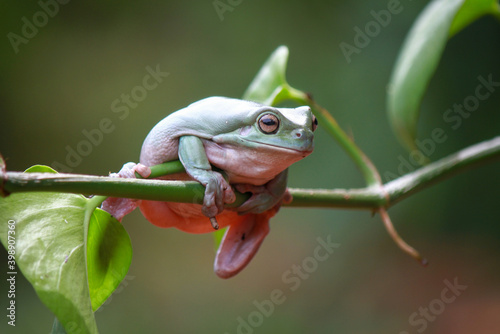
364, 198
371, 198
105, 186
368, 198
444, 168
171, 167
96, 201
327, 121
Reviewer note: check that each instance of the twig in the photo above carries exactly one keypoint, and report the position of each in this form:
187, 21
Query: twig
368, 198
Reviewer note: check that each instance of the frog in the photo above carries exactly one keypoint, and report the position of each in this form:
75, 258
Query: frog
226, 145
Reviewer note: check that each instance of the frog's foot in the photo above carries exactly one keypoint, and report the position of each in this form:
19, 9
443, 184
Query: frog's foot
130, 168
262, 199
217, 193
240, 243
287, 197
120, 207
142, 170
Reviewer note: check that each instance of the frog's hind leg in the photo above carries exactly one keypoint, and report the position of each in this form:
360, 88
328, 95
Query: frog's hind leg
240, 243
160, 214
120, 207
183, 216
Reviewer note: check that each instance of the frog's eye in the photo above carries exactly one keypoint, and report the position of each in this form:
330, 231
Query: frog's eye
269, 124
315, 123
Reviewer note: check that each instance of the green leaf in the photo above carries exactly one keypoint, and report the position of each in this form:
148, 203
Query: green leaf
40, 169
50, 251
419, 57
50, 246
109, 254
57, 327
470, 11
270, 80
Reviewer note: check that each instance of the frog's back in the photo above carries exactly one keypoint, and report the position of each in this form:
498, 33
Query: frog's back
204, 119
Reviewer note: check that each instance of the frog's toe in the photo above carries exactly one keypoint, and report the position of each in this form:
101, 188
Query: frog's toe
126, 172
209, 208
258, 203
287, 197
217, 193
249, 188
119, 207
251, 208
225, 193
142, 170
130, 168
229, 195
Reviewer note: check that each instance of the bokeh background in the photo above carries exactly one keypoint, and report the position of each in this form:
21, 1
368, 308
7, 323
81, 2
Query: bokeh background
64, 80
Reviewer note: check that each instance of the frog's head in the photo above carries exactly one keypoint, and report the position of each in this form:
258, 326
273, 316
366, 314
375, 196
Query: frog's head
246, 124
263, 142
280, 128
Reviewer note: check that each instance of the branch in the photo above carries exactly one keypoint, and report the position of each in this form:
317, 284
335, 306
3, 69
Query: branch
374, 197
470, 157
369, 198
331, 126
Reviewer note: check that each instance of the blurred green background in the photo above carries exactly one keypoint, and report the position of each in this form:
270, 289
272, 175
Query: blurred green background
64, 80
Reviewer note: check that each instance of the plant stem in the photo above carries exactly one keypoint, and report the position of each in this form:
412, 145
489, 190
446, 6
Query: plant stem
371, 198
398, 240
364, 198
171, 167
460, 161
327, 121
368, 198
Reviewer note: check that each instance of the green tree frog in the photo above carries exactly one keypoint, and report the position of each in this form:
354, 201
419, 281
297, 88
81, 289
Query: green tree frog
251, 143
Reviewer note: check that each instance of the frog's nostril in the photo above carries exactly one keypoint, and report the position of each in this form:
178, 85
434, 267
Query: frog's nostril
299, 133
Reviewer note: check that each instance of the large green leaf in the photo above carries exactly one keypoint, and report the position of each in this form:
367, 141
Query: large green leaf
50, 248
420, 55
50, 252
270, 80
109, 254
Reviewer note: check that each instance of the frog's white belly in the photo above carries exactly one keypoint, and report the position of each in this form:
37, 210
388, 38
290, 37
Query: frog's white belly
241, 164
249, 165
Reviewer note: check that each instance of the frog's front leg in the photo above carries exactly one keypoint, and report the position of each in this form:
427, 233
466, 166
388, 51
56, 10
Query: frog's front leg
263, 197
217, 191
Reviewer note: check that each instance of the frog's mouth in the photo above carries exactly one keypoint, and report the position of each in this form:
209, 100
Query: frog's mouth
240, 143
297, 140
306, 150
